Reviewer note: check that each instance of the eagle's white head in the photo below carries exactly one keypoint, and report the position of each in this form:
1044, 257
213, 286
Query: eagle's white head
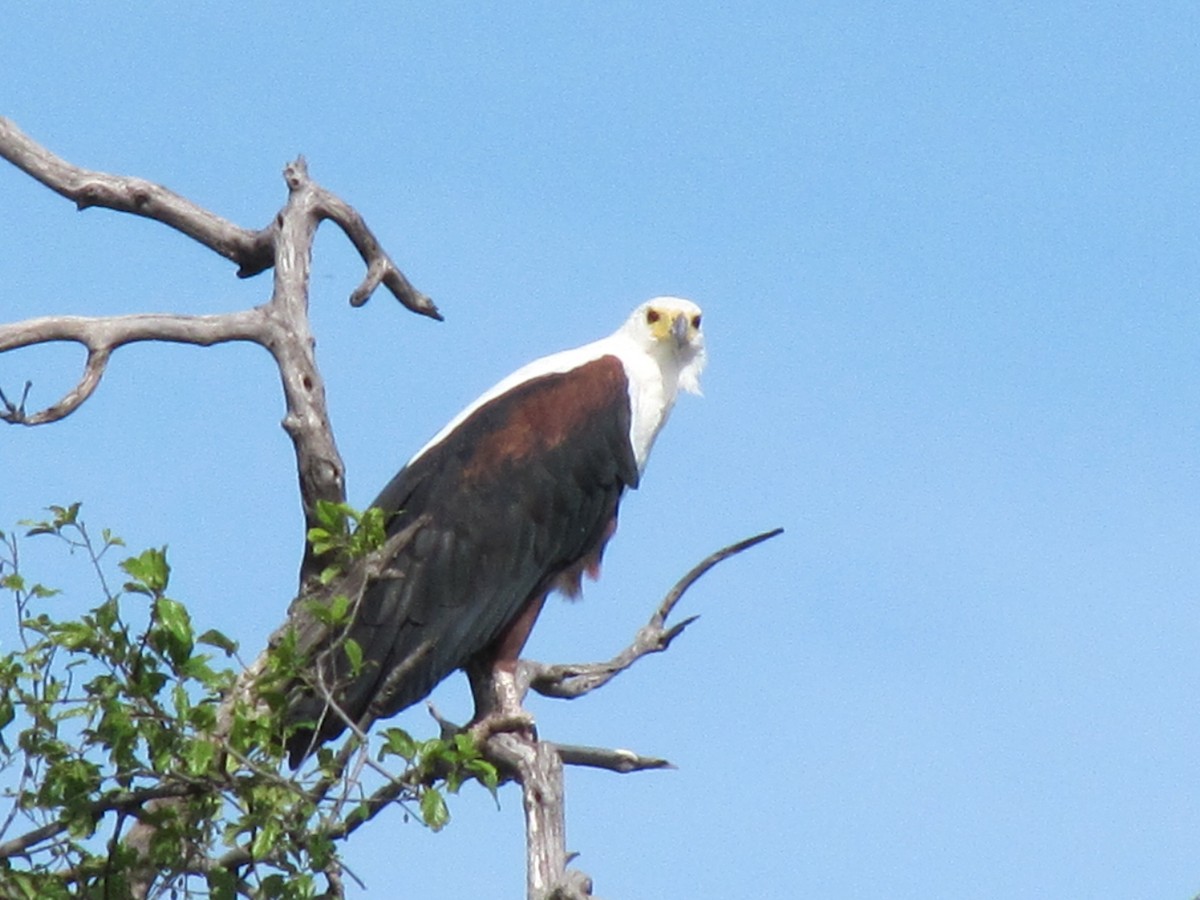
668, 329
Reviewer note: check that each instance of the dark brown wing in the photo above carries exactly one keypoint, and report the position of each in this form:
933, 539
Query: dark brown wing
521, 491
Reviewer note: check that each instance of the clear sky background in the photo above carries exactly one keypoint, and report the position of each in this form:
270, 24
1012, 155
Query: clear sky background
948, 256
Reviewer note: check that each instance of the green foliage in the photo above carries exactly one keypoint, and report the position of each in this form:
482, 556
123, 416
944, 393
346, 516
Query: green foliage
452, 760
121, 713
345, 534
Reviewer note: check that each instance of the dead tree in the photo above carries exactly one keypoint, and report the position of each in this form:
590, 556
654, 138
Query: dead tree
281, 327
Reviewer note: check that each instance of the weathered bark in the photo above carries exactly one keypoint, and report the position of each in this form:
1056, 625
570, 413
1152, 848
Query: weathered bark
539, 764
539, 770
280, 326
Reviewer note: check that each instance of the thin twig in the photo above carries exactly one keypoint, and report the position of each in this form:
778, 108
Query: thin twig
124, 800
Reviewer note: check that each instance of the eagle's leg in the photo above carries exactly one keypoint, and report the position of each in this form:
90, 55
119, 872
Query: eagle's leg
495, 686
498, 703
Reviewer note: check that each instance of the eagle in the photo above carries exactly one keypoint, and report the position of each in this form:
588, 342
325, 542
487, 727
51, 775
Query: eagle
515, 498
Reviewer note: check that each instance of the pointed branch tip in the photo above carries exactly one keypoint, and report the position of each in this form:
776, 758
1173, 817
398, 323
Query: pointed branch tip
701, 568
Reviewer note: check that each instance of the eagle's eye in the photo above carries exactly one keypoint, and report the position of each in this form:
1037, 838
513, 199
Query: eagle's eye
652, 316
696, 322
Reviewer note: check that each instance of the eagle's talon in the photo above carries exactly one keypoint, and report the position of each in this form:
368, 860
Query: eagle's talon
518, 721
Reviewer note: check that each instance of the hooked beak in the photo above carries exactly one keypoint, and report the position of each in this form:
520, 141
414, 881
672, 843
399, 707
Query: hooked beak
679, 329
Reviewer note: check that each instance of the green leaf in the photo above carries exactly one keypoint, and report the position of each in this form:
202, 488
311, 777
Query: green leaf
173, 620
67, 515
330, 612
149, 571
370, 533
273, 886
108, 614
398, 742
73, 635
200, 756
321, 850
221, 884
197, 668
487, 774
433, 809
321, 540
345, 533
214, 638
63, 516
173, 616
333, 515
266, 839
354, 653
465, 744
339, 607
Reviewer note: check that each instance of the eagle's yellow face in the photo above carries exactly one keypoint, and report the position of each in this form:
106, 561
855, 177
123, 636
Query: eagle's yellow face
673, 321
669, 328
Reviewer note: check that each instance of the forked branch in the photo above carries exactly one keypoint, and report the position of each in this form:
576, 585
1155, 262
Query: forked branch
537, 765
101, 336
575, 680
254, 251
280, 325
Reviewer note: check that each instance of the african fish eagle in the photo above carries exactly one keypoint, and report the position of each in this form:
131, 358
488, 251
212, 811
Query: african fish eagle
514, 498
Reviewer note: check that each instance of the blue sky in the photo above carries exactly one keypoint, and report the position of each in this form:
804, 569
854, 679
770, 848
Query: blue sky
948, 260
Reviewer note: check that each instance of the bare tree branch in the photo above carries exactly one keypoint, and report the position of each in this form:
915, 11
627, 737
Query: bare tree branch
380, 268
124, 801
253, 251
537, 765
574, 680
103, 335
620, 761
538, 768
280, 326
